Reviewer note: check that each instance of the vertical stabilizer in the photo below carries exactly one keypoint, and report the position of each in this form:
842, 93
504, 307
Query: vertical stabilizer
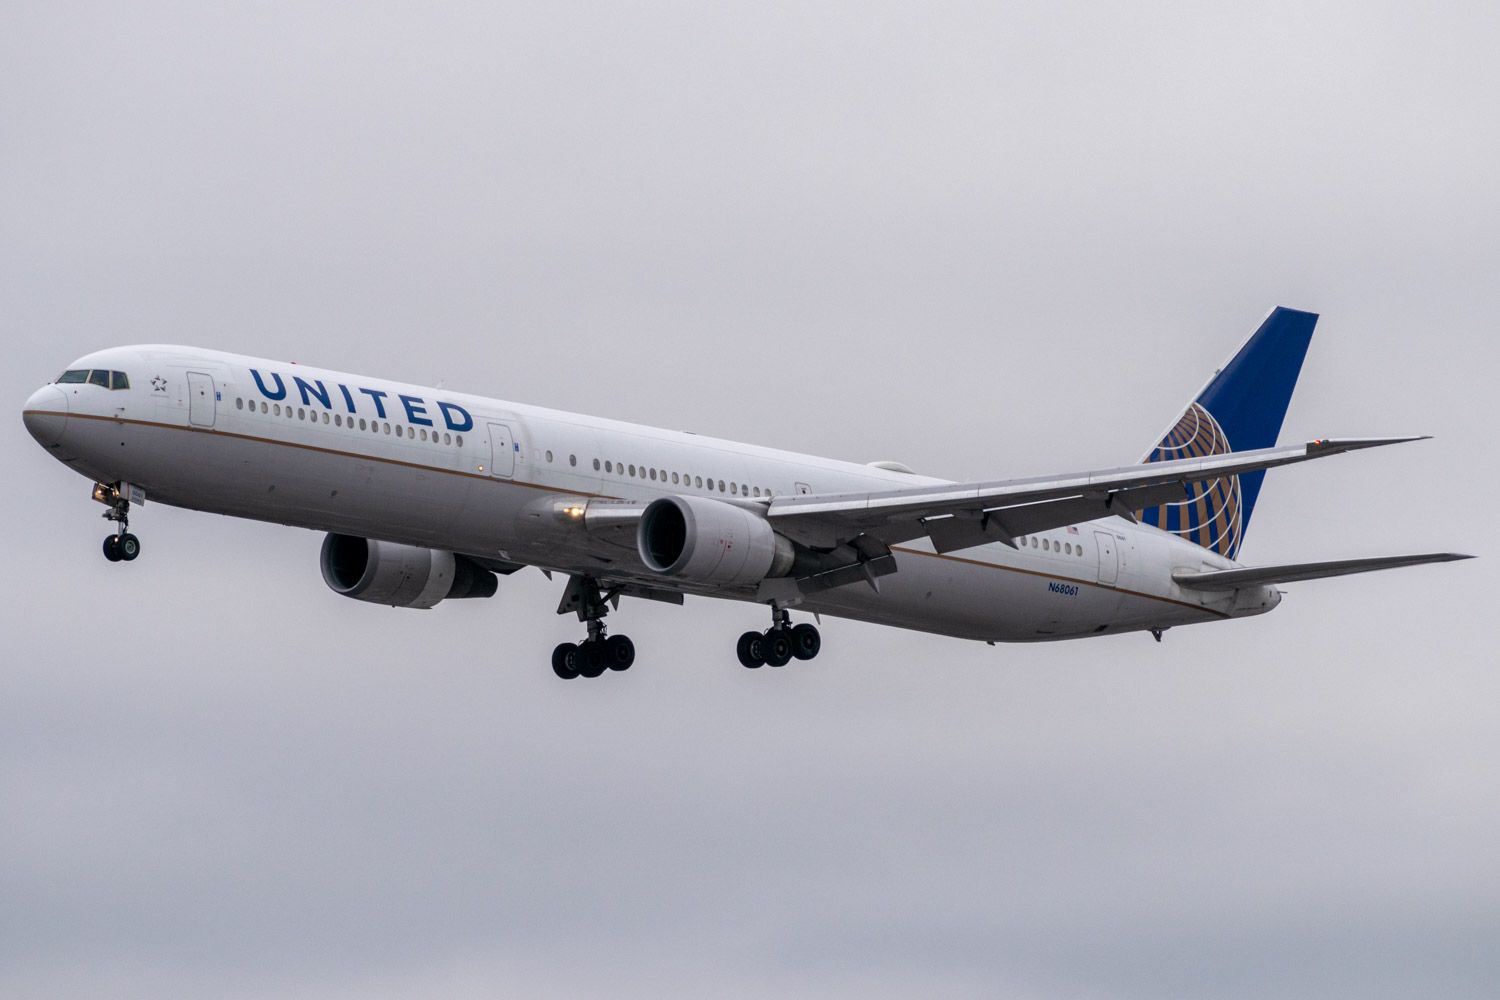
1240, 408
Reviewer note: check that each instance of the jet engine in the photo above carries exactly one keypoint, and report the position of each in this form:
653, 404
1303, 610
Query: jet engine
709, 541
401, 576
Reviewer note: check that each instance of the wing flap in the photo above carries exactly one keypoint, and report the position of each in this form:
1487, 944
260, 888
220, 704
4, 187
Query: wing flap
1233, 579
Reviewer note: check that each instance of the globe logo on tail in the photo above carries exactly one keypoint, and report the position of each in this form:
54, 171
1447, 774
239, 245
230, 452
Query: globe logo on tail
1209, 512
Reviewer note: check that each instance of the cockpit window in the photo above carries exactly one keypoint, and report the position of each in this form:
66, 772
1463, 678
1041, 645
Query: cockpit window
102, 377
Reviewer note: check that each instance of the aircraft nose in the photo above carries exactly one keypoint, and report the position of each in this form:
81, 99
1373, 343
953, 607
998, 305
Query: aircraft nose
46, 415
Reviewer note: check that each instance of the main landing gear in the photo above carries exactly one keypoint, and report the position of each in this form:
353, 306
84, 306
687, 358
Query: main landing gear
597, 653
121, 546
779, 644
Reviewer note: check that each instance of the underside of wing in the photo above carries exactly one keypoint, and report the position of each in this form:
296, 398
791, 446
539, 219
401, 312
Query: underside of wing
966, 514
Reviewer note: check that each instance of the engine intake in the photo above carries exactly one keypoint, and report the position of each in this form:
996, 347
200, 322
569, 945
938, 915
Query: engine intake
401, 576
708, 541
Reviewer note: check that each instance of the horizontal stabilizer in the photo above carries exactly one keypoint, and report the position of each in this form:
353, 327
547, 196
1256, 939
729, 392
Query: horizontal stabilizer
1233, 579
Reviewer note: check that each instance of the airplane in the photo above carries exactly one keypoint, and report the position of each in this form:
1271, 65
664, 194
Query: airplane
428, 495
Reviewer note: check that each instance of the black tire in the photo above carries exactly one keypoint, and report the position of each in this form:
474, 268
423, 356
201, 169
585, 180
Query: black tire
751, 649
777, 647
590, 658
619, 652
806, 641
130, 547
564, 661
112, 548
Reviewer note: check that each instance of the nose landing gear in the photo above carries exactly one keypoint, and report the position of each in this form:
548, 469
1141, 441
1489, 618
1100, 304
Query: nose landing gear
780, 644
121, 546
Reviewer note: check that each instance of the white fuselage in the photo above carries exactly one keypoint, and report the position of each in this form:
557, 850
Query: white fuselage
385, 460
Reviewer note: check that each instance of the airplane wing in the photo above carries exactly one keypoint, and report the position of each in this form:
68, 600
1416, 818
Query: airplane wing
962, 515
1232, 579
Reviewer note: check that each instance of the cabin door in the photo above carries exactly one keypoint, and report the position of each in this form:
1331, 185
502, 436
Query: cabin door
1109, 557
202, 399
502, 451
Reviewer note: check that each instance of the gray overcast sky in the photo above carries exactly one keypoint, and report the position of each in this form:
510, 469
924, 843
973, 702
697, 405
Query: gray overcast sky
985, 240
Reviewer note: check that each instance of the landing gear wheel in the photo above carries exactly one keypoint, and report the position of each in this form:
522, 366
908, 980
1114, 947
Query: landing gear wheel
806, 641
129, 547
751, 649
112, 548
564, 661
777, 647
590, 658
619, 652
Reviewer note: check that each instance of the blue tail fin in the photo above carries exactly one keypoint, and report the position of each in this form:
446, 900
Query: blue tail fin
1241, 408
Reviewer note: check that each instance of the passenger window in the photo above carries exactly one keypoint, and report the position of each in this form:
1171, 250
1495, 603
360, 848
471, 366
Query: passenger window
99, 378
674, 479
721, 486
632, 471
301, 413
609, 467
757, 491
596, 465
263, 407
734, 488
239, 402
459, 440
398, 431
275, 409
698, 481
76, 376
549, 455
572, 460
338, 420
446, 438
387, 428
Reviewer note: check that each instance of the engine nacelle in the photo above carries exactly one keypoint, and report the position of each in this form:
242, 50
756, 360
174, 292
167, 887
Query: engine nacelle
401, 576
708, 541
